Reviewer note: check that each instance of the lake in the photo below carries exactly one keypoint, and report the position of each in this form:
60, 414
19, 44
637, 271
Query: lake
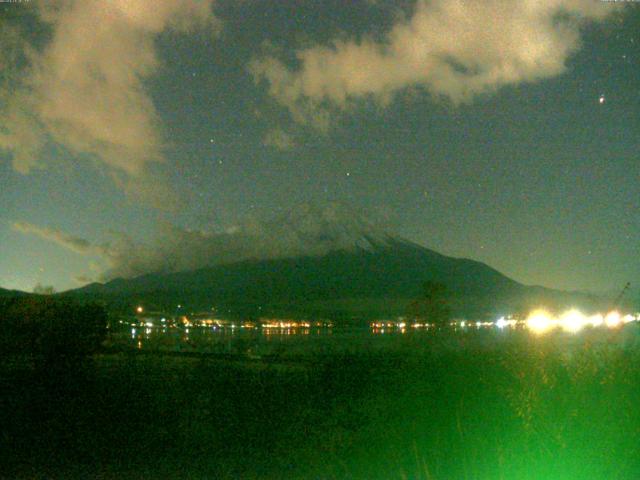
258, 341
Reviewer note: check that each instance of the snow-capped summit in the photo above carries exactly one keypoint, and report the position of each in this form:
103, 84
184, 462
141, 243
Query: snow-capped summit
315, 230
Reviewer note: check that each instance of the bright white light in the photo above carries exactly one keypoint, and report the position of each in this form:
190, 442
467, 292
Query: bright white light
463, 323
572, 321
596, 320
501, 323
540, 321
612, 319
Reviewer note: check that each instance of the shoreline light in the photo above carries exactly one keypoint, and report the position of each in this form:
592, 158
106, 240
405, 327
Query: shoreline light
539, 321
572, 321
613, 319
502, 322
596, 320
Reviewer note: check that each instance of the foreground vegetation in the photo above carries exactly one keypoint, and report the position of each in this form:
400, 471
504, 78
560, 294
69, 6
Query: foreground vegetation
455, 409
49, 330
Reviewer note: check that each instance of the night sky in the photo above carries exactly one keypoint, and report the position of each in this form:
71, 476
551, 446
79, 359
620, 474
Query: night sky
503, 131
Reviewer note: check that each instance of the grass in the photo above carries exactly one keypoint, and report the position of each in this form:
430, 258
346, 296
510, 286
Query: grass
454, 408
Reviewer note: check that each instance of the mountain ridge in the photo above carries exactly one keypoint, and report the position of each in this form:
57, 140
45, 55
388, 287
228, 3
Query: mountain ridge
381, 281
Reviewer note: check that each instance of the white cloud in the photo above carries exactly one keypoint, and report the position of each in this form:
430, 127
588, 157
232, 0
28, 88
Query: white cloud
70, 242
84, 90
304, 230
455, 49
278, 139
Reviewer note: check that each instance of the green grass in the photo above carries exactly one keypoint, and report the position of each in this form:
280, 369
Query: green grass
517, 410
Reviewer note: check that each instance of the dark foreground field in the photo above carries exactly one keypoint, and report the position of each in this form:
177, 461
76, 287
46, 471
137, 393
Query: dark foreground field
526, 409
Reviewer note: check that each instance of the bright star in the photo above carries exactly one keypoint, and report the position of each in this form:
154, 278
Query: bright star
601, 99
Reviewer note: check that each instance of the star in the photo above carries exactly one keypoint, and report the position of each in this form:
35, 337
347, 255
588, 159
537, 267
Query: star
602, 99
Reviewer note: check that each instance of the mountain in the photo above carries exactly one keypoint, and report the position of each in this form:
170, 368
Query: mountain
303, 230
11, 293
369, 276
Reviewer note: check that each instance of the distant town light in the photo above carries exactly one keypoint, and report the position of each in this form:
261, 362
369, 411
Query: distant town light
501, 322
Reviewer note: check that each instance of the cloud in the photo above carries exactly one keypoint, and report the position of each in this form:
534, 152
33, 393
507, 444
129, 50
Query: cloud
304, 230
278, 139
43, 289
455, 49
83, 279
85, 89
70, 242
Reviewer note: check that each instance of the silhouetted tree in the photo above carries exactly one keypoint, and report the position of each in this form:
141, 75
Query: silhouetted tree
432, 305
